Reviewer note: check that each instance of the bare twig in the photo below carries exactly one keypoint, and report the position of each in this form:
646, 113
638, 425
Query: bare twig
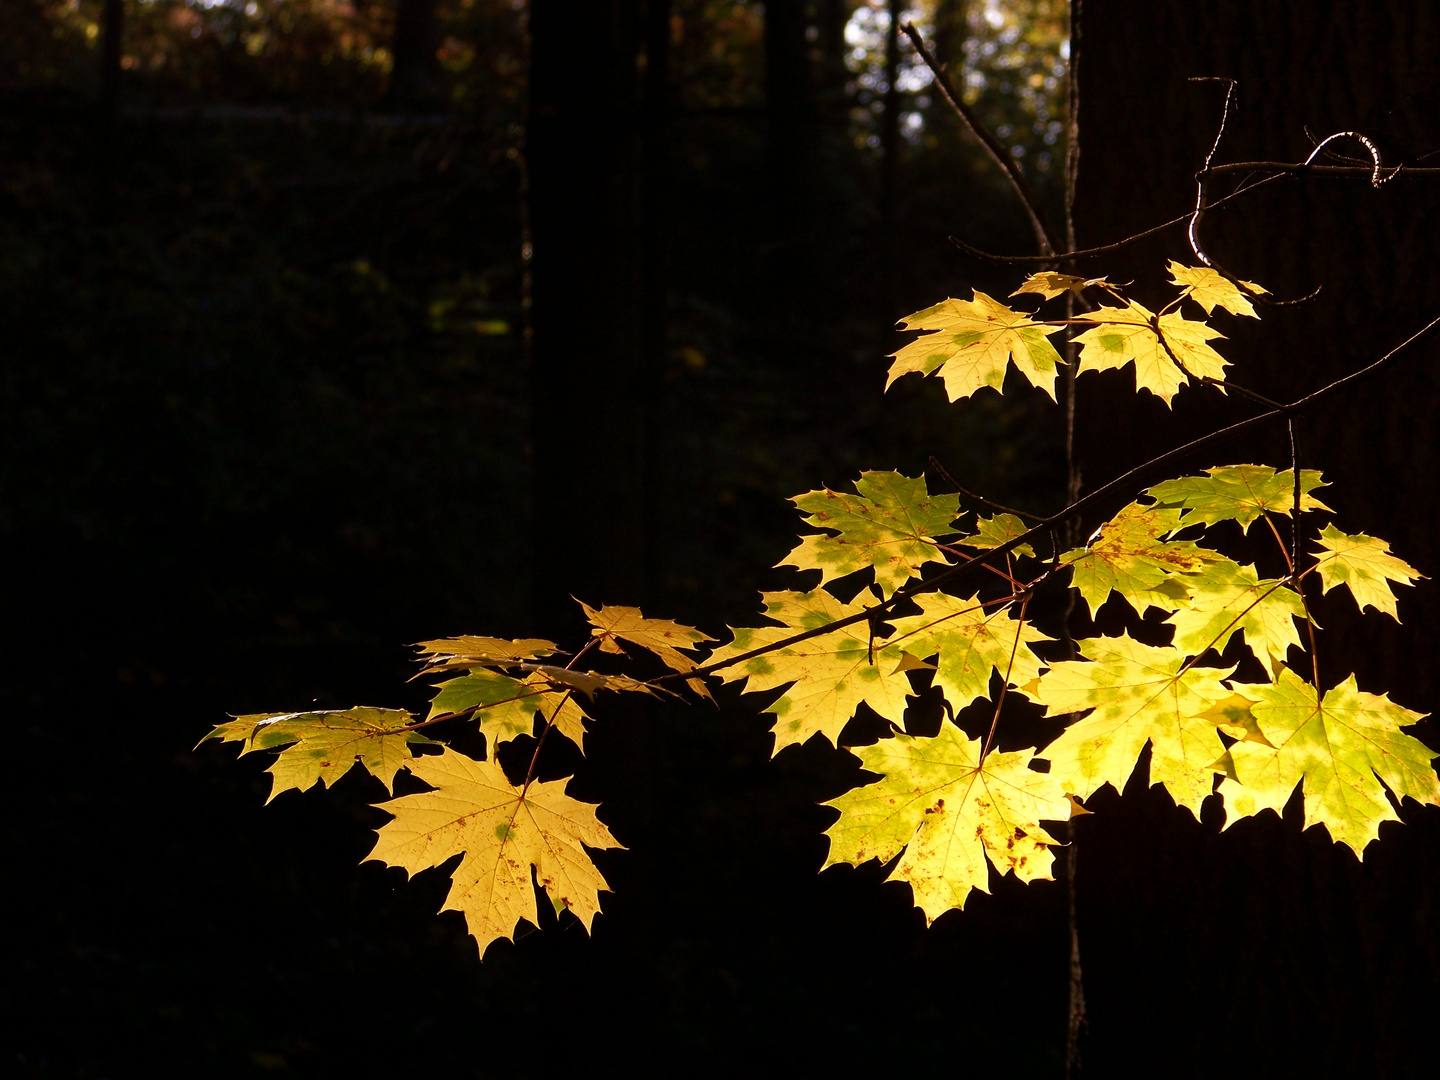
980, 498
1048, 242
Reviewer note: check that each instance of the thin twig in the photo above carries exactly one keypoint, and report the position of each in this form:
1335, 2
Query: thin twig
934, 462
1049, 243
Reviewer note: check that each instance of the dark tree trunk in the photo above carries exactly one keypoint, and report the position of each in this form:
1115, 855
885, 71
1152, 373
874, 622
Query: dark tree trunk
1265, 946
416, 79
790, 114
588, 366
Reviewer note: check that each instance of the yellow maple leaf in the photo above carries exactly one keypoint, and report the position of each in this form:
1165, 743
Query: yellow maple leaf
326, 744
949, 812
1133, 334
1365, 566
506, 707
1228, 599
1128, 556
831, 674
889, 525
1211, 289
1241, 493
1335, 747
1139, 693
471, 651
1050, 284
991, 532
969, 644
502, 831
971, 343
614, 623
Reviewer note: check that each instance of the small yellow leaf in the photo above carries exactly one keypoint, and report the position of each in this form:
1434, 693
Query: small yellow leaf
1364, 565
1050, 284
1211, 289
1133, 334
613, 624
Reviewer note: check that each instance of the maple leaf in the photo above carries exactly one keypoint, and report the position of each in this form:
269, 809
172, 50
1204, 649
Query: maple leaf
1139, 693
831, 673
1238, 493
326, 744
506, 707
502, 831
997, 530
1050, 284
890, 525
1335, 747
470, 651
1128, 557
948, 811
613, 624
1211, 289
969, 643
1134, 334
971, 344
1229, 599
1365, 565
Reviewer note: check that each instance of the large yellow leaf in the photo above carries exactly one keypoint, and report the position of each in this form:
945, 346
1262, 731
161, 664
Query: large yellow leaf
968, 643
1364, 565
1134, 334
1139, 694
327, 744
502, 831
948, 811
1238, 493
831, 673
1130, 558
1211, 289
890, 526
1229, 599
971, 343
1336, 747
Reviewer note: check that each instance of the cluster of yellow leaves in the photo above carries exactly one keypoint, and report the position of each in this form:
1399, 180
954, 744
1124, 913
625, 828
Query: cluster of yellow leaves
504, 831
970, 343
946, 807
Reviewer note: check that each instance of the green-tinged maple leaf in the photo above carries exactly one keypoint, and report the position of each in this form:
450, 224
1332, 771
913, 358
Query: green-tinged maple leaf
1229, 598
1211, 289
1125, 335
1336, 748
506, 707
997, 530
832, 673
502, 831
327, 744
948, 811
1238, 493
1050, 284
890, 525
969, 643
1365, 565
614, 624
1128, 557
1139, 694
971, 343
470, 651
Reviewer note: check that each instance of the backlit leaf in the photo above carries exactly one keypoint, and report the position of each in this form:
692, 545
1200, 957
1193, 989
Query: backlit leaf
1336, 748
1125, 335
1139, 694
613, 624
1130, 558
1364, 565
831, 673
890, 525
1050, 284
1211, 289
949, 812
502, 831
1229, 599
997, 530
971, 343
326, 745
1238, 493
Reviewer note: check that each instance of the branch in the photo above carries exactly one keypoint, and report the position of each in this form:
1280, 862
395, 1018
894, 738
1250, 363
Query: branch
1049, 243
1126, 482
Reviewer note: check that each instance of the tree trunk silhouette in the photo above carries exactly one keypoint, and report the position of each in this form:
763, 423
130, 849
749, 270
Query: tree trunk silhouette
1296, 958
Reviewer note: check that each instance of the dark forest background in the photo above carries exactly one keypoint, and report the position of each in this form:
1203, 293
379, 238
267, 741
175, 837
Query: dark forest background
329, 326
